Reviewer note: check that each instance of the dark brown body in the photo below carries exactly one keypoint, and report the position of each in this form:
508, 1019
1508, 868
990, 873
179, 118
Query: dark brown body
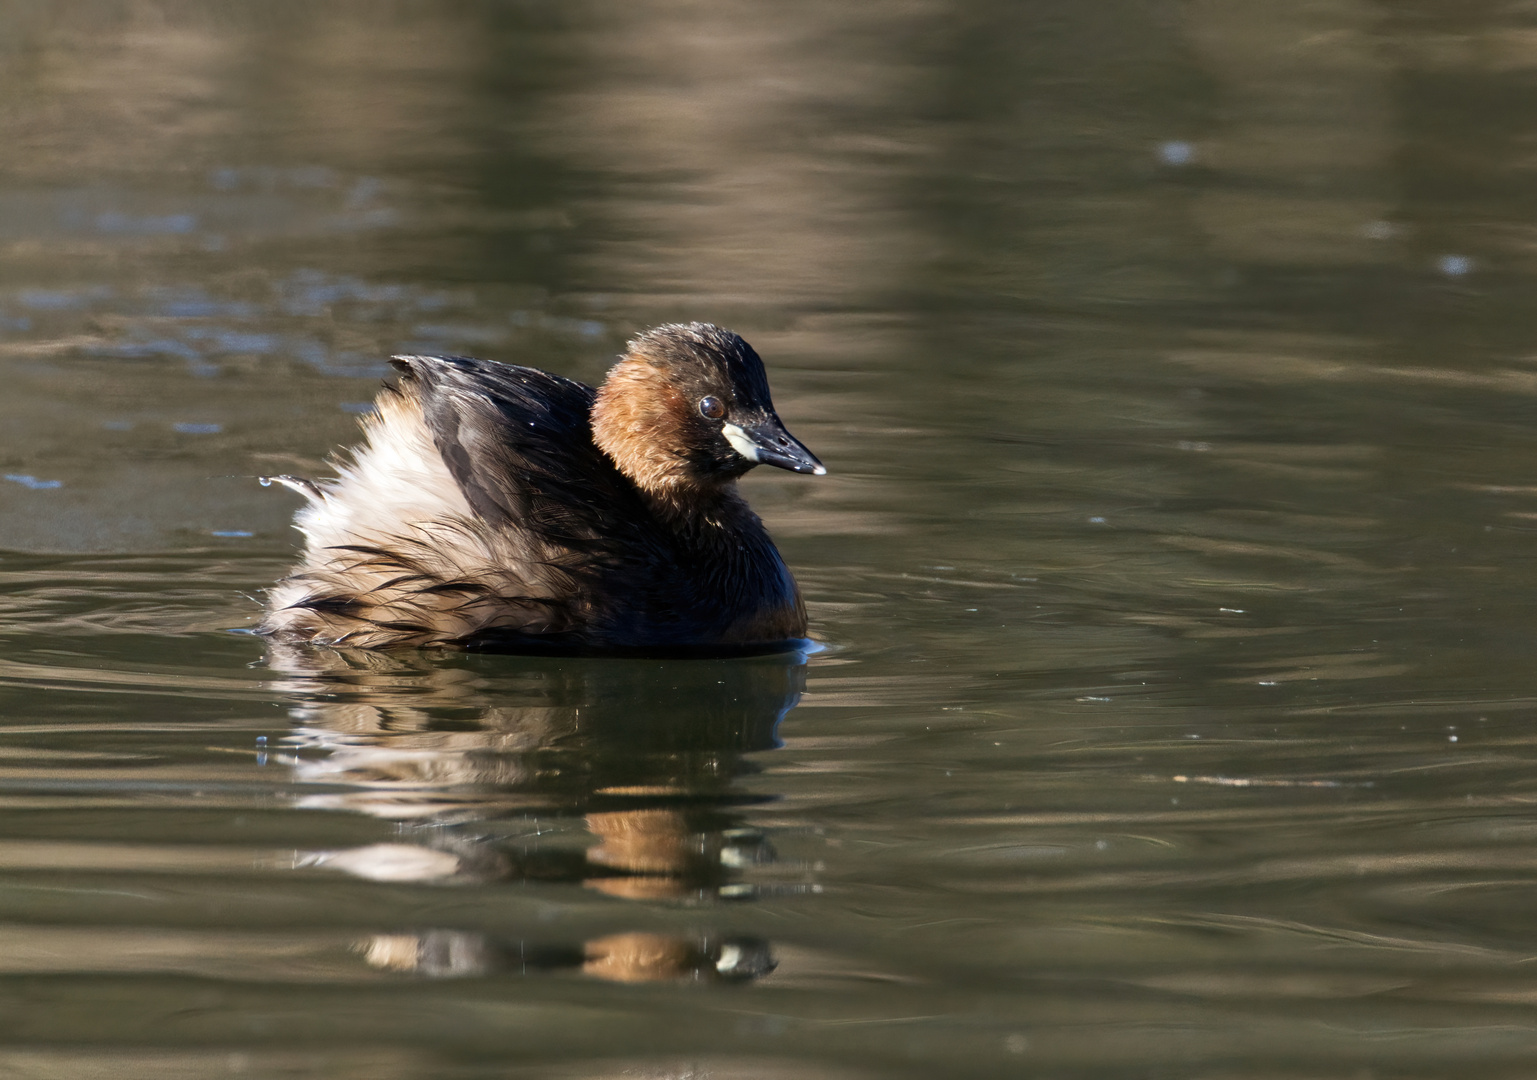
502, 507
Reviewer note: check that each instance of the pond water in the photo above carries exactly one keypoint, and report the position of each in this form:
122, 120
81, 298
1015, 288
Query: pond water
1175, 366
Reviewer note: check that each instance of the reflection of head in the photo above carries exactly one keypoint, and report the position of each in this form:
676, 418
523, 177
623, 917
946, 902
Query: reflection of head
625, 957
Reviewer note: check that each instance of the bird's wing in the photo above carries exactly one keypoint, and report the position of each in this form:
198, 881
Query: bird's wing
518, 441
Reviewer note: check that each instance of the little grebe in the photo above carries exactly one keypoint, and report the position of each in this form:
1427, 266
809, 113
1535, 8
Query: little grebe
501, 507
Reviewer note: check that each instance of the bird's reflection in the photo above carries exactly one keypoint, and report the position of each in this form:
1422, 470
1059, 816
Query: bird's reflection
618, 775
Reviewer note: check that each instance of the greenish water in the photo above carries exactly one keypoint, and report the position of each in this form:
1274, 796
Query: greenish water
1175, 366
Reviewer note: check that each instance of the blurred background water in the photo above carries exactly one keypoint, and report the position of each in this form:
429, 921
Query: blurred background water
1175, 365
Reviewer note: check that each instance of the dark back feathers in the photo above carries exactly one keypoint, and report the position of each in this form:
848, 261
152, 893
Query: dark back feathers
518, 441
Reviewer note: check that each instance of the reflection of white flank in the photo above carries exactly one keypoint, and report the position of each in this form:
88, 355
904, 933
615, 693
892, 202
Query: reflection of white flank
387, 862
740, 442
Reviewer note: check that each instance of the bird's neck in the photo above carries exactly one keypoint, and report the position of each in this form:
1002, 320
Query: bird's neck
703, 511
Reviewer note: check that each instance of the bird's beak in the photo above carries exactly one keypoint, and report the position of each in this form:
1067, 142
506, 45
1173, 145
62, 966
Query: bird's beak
768, 443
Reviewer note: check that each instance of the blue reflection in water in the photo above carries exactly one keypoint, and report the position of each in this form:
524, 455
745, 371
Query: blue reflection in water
1176, 152
33, 482
113, 221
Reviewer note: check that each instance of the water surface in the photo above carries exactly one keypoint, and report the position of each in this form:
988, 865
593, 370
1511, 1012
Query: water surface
1175, 366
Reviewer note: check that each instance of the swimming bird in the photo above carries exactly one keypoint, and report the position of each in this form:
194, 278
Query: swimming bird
500, 507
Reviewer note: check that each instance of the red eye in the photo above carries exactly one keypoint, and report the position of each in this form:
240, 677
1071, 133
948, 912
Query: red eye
713, 407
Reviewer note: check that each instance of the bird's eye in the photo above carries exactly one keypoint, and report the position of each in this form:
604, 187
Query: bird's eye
713, 407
